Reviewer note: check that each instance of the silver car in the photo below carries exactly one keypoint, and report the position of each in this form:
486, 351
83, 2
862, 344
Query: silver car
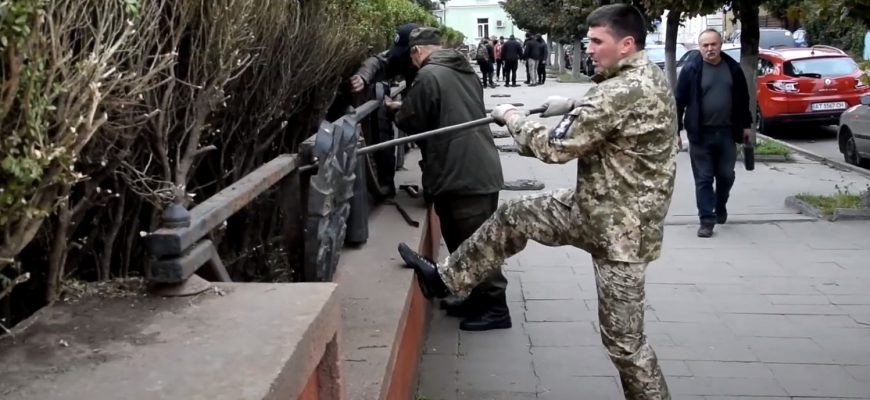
853, 135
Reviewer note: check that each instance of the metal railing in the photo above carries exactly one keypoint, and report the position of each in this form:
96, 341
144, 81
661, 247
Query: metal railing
319, 183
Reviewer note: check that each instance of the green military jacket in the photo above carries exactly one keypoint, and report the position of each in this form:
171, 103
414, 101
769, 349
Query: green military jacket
622, 134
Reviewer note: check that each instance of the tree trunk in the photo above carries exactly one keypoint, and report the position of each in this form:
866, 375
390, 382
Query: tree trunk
576, 59
57, 257
116, 221
560, 58
672, 29
749, 34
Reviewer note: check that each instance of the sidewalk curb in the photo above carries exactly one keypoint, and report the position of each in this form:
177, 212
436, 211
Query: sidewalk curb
815, 157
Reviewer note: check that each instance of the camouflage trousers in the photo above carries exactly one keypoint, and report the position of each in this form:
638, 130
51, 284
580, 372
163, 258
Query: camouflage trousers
546, 218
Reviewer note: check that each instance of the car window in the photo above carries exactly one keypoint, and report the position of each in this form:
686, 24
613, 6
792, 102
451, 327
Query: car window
657, 54
734, 53
820, 67
686, 56
775, 38
764, 67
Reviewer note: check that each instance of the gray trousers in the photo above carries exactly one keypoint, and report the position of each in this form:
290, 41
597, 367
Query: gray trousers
533, 71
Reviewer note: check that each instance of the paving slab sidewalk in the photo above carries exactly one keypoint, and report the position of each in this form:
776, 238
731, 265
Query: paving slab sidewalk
775, 306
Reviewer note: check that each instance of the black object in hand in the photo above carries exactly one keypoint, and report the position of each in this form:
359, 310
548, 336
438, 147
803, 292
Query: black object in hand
748, 154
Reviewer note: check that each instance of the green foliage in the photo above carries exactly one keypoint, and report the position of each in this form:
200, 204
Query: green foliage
766, 147
687, 8
27, 149
376, 21
829, 26
842, 198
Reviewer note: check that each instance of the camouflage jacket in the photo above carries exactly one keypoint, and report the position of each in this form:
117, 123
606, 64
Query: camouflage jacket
622, 133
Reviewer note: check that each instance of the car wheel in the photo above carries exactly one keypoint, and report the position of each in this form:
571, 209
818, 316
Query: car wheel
850, 150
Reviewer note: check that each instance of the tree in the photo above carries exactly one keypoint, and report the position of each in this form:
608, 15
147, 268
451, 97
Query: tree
677, 11
425, 4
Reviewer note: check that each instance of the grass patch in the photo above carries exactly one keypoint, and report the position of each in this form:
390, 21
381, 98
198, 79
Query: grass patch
768, 148
828, 203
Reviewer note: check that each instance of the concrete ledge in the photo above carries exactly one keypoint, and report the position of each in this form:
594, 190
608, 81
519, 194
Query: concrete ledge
815, 157
239, 341
803, 207
742, 219
383, 312
840, 214
773, 158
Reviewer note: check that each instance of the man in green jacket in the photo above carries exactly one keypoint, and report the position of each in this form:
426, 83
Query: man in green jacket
462, 173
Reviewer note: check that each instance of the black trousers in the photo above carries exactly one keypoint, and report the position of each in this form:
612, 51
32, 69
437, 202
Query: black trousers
460, 216
486, 70
498, 66
542, 71
510, 71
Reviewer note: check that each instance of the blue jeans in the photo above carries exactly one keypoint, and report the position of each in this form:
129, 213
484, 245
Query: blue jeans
713, 155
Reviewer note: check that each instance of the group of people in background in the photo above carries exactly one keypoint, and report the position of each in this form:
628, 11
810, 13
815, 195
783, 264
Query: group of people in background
499, 59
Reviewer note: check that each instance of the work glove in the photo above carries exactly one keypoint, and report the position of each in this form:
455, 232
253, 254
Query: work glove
503, 112
557, 105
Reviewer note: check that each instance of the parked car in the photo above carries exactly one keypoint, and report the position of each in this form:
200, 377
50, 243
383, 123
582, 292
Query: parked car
814, 85
656, 53
853, 135
769, 38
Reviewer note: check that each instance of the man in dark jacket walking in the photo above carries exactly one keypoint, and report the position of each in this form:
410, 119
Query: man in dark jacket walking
463, 172
543, 57
527, 54
511, 52
713, 105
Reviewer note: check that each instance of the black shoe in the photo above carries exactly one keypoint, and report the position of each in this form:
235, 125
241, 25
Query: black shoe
721, 217
427, 273
498, 316
471, 306
705, 231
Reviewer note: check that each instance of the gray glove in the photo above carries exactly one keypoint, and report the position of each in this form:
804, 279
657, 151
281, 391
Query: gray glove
557, 105
503, 112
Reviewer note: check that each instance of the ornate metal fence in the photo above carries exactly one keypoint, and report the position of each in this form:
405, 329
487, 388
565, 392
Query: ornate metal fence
318, 184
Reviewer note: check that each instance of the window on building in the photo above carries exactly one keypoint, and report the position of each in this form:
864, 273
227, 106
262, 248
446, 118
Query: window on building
483, 27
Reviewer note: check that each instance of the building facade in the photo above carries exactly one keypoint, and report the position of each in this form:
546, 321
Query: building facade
477, 19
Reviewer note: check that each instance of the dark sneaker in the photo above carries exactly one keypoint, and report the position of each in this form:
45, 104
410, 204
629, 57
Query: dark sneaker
721, 218
705, 231
427, 273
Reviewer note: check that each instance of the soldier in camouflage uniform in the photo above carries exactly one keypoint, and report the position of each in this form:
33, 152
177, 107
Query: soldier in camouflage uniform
622, 136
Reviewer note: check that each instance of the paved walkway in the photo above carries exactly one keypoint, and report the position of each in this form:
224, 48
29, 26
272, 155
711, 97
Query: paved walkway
773, 307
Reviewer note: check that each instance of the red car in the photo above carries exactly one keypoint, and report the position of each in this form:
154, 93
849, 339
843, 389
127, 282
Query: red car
813, 85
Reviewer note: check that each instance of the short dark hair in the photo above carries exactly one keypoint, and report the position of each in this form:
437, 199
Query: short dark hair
623, 20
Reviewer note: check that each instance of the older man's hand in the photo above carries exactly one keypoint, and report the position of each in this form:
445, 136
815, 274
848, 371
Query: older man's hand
503, 113
391, 104
357, 84
557, 105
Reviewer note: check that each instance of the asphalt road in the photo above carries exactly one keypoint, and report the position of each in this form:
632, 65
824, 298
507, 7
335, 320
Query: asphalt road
821, 140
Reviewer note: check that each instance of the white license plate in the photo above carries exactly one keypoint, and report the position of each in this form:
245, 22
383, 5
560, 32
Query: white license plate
837, 105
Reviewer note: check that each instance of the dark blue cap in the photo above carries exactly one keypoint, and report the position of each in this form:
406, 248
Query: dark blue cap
401, 40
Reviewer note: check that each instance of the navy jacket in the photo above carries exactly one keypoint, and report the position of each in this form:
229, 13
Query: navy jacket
688, 96
511, 50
